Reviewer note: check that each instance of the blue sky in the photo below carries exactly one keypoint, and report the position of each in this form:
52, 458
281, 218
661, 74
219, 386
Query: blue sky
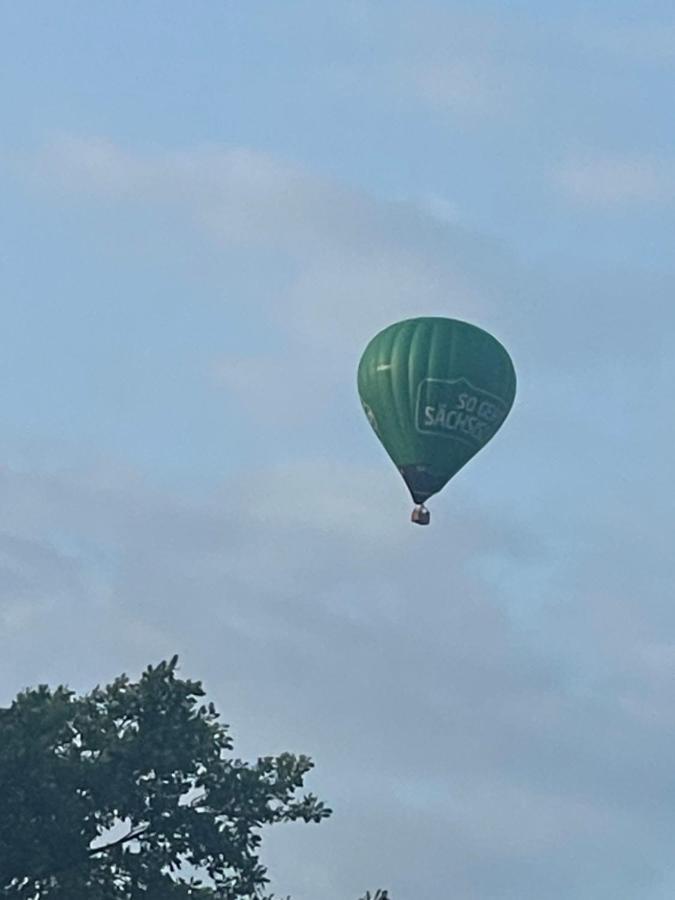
207, 210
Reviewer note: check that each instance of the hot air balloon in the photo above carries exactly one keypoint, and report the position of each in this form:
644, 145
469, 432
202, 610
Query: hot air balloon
435, 391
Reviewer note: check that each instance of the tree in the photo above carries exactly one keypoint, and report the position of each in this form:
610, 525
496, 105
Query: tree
131, 792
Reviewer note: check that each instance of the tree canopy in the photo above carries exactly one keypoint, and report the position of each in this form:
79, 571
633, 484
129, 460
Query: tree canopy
131, 791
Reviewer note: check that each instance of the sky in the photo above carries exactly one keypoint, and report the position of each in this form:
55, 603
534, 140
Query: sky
206, 211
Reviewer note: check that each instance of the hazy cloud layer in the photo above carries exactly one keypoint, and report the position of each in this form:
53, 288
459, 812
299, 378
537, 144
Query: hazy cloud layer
355, 261
646, 40
488, 702
608, 183
452, 740
186, 467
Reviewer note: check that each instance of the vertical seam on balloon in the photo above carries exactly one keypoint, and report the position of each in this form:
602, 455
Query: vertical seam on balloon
399, 337
388, 390
433, 359
413, 351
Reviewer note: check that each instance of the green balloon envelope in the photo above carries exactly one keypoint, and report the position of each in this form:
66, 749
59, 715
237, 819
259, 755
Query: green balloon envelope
435, 391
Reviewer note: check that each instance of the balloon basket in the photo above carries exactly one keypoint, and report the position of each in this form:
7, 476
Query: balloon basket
420, 515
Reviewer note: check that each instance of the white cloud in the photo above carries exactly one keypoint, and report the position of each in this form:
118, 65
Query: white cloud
324, 622
36, 577
243, 197
614, 182
489, 701
450, 62
644, 40
449, 682
354, 262
460, 85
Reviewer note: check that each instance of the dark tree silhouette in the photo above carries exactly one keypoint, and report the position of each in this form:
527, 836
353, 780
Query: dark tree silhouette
131, 791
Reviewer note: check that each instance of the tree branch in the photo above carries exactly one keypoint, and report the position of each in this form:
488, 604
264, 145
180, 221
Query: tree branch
134, 833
